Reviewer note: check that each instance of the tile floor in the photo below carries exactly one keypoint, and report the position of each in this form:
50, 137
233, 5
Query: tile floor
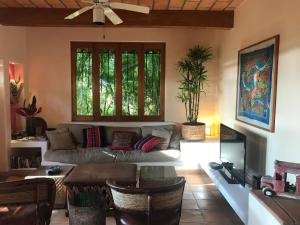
202, 204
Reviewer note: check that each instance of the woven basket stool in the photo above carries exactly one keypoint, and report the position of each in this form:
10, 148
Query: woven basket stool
91, 215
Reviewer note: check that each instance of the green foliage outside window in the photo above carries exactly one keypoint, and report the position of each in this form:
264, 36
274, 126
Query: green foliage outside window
129, 83
107, 83
84, 92
152, 83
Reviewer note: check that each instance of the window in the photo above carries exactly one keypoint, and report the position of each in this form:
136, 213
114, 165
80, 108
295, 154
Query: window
118, 81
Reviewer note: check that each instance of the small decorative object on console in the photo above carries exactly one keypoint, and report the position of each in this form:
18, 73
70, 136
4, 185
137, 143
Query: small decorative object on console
256, 182
53, 170
227, 165
278, 185
215, 166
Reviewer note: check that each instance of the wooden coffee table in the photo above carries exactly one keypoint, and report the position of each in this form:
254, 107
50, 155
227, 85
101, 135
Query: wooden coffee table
61, 196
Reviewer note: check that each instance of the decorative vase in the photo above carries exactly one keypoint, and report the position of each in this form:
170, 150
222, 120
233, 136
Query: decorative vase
193, 131
30, 125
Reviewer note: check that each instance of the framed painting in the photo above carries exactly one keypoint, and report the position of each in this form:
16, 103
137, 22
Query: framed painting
257, 83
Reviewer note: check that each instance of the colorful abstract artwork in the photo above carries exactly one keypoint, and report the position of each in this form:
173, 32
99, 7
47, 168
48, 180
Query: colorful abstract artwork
257, 78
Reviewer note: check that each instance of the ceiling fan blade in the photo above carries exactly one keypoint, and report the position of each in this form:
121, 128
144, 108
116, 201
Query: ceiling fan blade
78, 12
112, 16
129, 7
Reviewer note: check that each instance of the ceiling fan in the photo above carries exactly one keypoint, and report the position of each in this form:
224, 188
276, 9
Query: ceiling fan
102, 8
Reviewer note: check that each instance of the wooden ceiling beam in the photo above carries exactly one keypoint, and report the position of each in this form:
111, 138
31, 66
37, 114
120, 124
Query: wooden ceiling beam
49, 17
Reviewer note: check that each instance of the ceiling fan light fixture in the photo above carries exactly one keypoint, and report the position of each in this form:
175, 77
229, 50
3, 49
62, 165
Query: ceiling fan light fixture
104, 8
98, 16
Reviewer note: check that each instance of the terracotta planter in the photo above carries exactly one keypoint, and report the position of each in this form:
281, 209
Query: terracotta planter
193, 132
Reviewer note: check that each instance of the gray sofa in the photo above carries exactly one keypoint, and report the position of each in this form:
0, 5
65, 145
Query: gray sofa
105, 154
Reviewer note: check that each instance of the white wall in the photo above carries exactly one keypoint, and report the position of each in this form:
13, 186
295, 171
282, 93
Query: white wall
12, 48
49, 65
256, 20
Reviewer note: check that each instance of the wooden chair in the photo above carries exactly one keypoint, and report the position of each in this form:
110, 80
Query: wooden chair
160, 205
27, 202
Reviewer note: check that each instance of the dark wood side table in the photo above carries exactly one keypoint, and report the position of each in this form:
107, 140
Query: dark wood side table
61, 194
93, 176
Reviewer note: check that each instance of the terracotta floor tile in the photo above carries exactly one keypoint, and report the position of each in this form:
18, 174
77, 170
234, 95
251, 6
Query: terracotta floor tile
208, 204
218, 216
59, 218
200, 187
187, 195
191, 216
195, 179
187, 187
189, 204
203, 195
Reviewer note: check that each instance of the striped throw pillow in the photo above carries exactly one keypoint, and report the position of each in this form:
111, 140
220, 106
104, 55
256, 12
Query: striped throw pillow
93, 137
147, 143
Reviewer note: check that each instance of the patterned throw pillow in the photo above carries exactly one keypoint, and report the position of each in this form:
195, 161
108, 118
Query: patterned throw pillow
165, 136
148, 143
93, 137
123, 140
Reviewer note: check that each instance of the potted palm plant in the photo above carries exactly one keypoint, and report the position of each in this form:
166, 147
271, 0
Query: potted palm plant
194, 76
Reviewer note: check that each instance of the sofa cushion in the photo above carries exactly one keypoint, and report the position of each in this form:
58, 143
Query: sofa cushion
139, 156
175, 138
80, 155
148, 143
76, 130
93, 137
109, 132
60, 139
123, 140
165, 136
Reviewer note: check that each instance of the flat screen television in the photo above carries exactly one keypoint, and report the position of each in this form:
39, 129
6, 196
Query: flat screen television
233, 154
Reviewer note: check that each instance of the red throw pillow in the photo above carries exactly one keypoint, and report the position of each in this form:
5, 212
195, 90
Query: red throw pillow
147, 143
123, 140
